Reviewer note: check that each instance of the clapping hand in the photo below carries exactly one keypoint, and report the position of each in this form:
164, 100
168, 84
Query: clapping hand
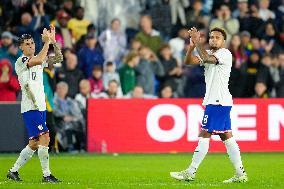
52, 34
45, 35
195, 35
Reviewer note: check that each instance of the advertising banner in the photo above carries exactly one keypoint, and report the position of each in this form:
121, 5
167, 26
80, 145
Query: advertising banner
172, 125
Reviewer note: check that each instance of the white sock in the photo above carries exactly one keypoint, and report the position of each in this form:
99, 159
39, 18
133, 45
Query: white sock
199, 154
44, 160
233, 151
25, 155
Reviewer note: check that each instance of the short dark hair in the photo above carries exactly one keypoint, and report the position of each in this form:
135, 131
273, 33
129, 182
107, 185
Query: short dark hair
24, 37
219, 30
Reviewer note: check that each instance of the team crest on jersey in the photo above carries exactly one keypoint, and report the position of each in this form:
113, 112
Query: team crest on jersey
40, 127
24, 59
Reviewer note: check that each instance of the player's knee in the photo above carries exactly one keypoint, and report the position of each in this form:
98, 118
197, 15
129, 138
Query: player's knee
33, 145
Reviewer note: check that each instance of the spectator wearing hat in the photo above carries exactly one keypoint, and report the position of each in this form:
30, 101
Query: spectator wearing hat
8, 49
89, 55
63, 33
91, 30
79, 24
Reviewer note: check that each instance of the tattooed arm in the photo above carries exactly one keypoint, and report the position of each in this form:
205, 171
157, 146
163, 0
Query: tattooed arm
204, 56
58, 57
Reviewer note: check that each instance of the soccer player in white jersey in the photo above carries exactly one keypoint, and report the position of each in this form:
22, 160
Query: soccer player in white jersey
29, 69
217, 101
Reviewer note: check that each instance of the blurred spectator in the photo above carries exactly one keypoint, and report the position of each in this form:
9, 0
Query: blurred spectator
173, 71
177, 45
251, 72
167, 92
271, 37
255, 45
261, 90
34, 25
127, 73
196, 16
242, 11
69, 120
110, 74
135, 45
225, 21
78, 25
251, 22
70, 74
63, 35
264, 12
264, 76
8, 49
164, 15
148, 36
9, 85
91, 30
280, 17
245, 42
138, 92
178, 12
147, 70
68, 7
113, 41
84, 95
280, 84
49, 89
96, 80
111, 92
238, 72
89, 56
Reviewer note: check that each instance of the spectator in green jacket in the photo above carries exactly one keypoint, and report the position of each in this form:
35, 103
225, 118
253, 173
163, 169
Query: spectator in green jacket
127, 74
148, 36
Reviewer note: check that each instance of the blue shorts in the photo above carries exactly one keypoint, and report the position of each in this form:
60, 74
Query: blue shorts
217, 119
35, 122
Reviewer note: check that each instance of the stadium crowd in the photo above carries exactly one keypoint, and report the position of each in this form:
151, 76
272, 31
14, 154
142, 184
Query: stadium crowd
135, 49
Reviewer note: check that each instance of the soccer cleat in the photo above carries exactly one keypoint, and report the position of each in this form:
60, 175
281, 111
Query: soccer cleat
182, 175
237, 179
50, 179
13, 176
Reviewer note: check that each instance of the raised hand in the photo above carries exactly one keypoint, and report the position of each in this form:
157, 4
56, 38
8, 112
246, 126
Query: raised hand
195, 35
45, 35
52, 34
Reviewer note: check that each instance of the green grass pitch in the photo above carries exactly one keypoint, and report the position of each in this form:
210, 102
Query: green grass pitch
265, 170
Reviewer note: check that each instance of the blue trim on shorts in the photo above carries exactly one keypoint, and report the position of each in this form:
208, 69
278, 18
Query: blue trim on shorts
35, 122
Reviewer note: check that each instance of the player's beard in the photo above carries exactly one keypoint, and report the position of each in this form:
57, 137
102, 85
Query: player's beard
214, 48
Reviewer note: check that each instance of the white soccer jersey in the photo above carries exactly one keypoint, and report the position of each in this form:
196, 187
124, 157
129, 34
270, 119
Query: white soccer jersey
217, 79
31, 81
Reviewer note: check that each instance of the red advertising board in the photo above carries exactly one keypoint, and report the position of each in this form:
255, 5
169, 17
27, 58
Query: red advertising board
172, 125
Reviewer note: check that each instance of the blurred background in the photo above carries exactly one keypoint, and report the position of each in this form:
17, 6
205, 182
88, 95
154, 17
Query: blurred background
132, 50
